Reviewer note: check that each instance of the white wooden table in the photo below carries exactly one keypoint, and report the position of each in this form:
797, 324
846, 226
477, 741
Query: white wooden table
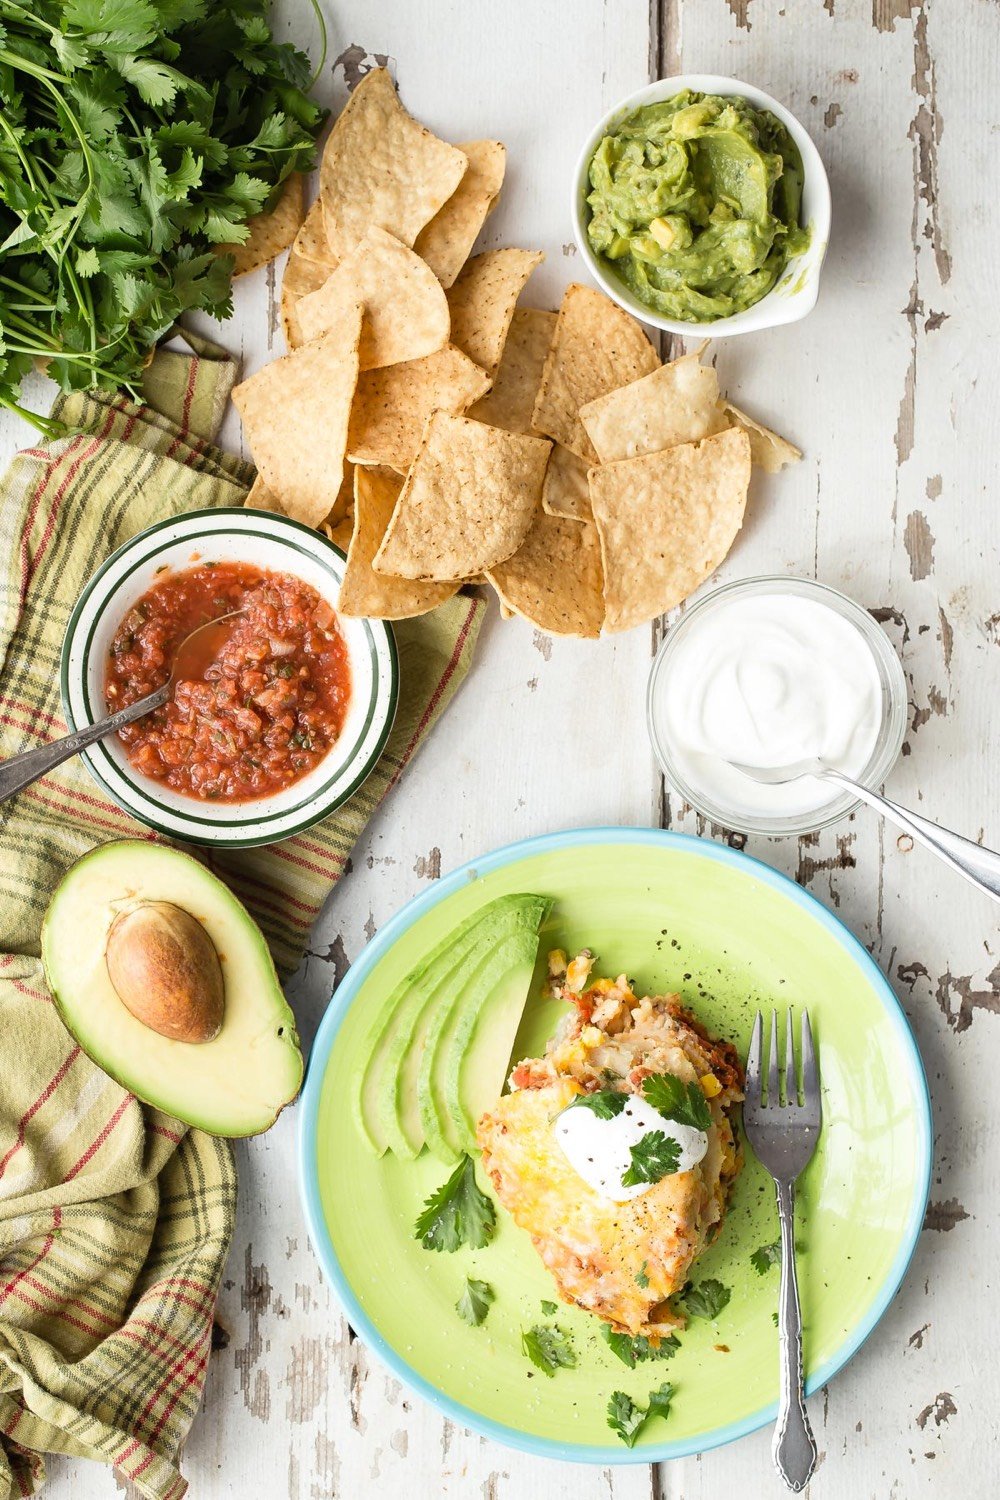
890, 388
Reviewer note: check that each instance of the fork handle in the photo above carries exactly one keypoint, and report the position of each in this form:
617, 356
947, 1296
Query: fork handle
794, 1447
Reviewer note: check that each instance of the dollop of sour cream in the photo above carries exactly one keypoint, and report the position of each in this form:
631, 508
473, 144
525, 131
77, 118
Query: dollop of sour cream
768, 679
600, 1150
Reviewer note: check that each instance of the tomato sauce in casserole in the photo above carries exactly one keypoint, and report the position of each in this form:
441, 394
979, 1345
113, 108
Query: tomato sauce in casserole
263, 696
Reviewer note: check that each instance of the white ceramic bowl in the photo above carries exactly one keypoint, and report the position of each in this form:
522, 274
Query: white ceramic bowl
892, 725
794, 294
268, 541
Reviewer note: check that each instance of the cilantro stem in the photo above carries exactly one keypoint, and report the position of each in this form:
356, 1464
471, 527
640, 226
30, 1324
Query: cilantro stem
47, 426
321, 22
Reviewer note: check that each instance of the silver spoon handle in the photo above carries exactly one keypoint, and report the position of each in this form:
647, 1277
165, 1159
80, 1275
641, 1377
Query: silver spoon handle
794, 1447
978, 865
21, 770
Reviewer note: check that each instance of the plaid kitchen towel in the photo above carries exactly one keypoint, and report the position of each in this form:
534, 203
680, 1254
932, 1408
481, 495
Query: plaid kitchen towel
115, 1220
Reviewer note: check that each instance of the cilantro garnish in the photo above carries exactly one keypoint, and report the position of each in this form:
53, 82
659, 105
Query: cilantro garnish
628, 1420
674, 1100
475, 1302
706, 1300
641, 1276
656, 1155
766, 1256
625, 1418
457, 1214
633, 1351
137, 137
550, 1308
606, 1103
549, 1349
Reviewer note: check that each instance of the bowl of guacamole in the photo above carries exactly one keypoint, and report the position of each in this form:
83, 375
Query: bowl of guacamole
701, 202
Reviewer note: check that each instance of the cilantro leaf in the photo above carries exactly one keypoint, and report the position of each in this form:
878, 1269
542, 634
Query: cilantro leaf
633, 1351
549, 1349
655, 1156
642, 1276
475, 1302
152, 129
550, 1308
605, 1103
706, 1300
457, 1214
675, 1100
628, 1420
766, 1256
625, 1418
659, 1400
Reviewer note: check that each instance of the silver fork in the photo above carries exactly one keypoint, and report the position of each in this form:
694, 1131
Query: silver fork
783, 1137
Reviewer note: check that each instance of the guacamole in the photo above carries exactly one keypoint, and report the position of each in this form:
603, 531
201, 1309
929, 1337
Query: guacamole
695, 205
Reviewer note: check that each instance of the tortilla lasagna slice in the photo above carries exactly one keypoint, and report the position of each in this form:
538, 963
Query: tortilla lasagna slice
622, 1261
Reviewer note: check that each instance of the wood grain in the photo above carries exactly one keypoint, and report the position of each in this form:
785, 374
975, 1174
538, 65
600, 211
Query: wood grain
889, 387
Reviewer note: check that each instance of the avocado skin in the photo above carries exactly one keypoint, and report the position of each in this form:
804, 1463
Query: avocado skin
243, 934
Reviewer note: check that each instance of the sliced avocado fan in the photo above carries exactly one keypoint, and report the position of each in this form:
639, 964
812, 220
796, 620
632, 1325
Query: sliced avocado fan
439, 1048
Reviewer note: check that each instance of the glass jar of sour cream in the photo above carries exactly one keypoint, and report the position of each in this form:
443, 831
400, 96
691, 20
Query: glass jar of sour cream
767, 672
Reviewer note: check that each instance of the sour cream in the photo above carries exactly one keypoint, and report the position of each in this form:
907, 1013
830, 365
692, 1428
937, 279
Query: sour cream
600, 1150
767, 679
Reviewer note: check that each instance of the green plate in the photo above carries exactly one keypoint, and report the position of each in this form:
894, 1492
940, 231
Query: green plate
730, 935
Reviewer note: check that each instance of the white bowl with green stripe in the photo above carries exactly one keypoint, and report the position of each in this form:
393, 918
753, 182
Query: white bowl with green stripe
276, 543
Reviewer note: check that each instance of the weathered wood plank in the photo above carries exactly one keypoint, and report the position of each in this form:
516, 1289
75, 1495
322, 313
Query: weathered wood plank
889, 388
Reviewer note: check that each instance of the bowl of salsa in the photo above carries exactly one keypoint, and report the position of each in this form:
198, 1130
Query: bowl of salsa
279, 709
701, 203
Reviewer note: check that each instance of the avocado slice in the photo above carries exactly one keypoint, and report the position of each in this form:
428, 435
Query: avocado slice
379, 1095
510, 958
235, 1084
392, 1102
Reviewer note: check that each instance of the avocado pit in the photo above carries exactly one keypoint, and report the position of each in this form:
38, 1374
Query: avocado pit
165, 970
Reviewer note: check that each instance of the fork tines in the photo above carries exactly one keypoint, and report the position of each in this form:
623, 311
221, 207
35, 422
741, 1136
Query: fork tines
782, 1088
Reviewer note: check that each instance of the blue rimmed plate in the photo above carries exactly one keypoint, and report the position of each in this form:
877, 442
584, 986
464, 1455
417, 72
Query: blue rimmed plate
729, 934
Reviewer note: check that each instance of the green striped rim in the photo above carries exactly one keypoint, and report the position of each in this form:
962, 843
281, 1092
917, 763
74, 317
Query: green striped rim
382, 702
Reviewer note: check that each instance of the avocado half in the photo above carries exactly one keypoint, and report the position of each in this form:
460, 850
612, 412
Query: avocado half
237, 1083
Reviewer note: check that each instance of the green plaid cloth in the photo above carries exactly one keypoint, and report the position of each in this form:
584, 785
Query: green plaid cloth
115, 1220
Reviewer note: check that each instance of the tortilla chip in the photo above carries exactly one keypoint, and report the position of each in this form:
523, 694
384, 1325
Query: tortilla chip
596, 348
666, 521
554, 578
512, 400
295, 413
406, 312
767, 450
259, 497
340, 532
270, 232
381, 168
363, 591
301, 278
467, 503
311, 242
482, 302
445, 243
391, 406
566, 491
678, 403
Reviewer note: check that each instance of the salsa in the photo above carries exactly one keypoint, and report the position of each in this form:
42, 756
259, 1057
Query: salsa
260, 699
696, 203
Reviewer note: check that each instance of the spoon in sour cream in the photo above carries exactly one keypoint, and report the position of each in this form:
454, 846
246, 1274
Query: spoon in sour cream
978, 865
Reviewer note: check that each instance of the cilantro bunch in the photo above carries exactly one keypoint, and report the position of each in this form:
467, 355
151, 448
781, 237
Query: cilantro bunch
135, 137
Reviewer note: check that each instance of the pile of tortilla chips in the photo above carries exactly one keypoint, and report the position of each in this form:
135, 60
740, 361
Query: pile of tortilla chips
441, 434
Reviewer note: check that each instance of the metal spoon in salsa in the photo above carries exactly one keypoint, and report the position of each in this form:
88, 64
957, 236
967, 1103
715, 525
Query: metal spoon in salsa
259, 696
